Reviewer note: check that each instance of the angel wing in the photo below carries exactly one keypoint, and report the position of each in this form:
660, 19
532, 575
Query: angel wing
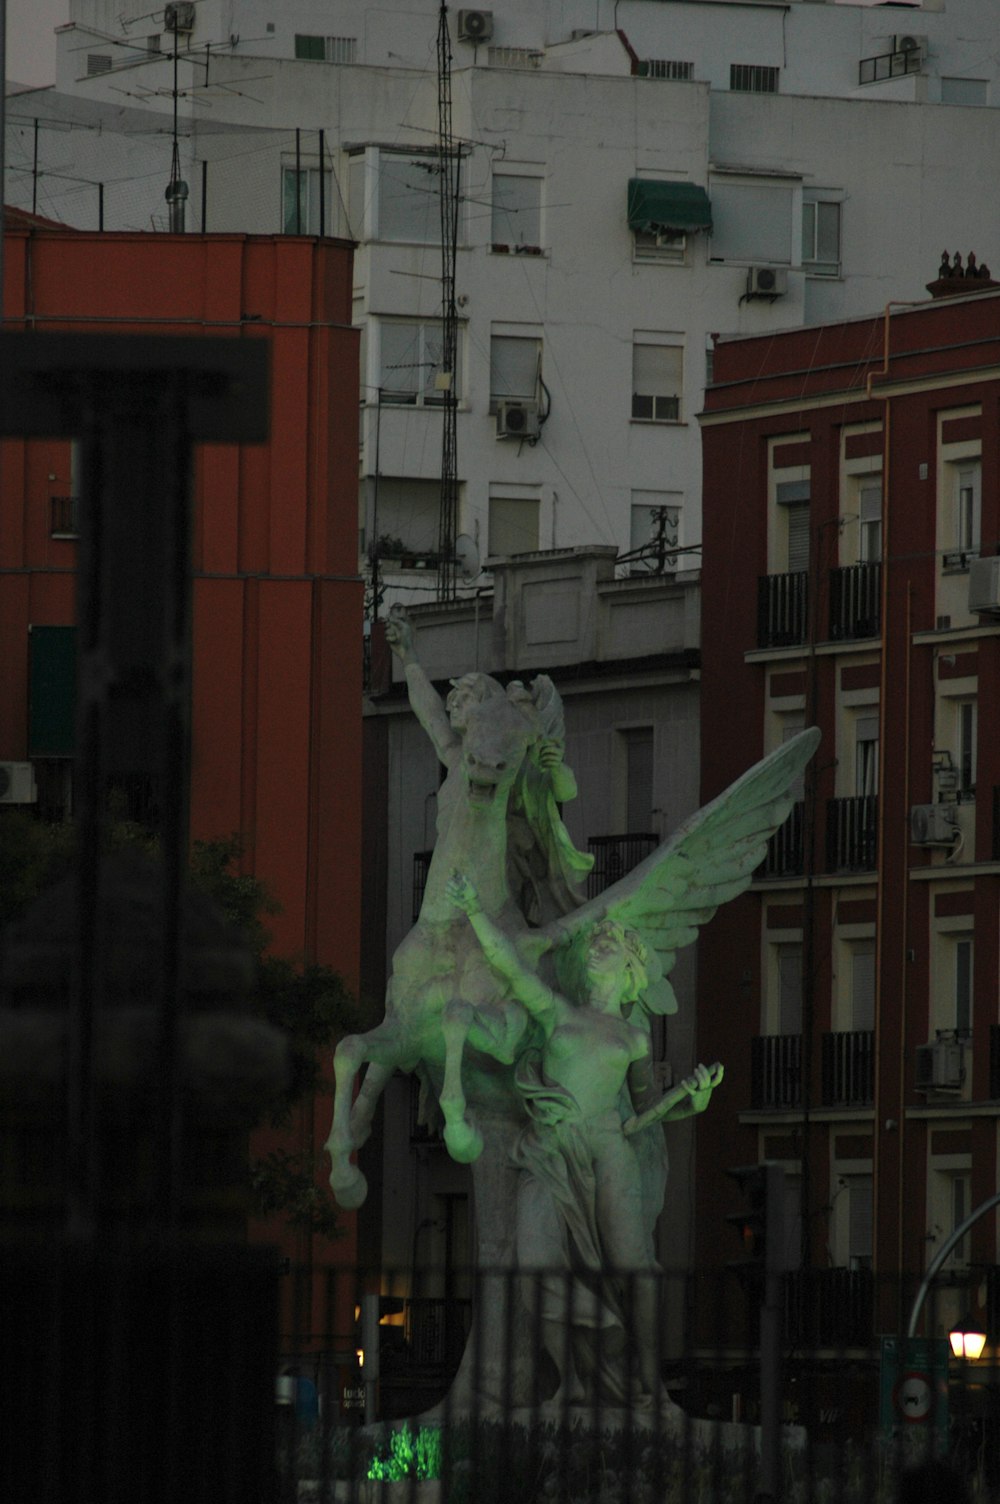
707, 862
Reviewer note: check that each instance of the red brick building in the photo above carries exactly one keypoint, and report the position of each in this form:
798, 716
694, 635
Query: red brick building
852, 581
276, 752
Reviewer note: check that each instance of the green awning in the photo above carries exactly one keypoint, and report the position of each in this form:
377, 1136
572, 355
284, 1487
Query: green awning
676, 207
52, 701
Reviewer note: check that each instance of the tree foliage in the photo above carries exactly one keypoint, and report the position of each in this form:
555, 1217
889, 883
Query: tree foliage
308, 1002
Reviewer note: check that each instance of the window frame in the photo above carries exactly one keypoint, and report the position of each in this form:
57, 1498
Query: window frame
505, 336
423, 395
308, 173
665, 407
500, 244
813, 201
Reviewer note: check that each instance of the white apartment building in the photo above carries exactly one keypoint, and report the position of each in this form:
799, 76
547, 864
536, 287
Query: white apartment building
634, 179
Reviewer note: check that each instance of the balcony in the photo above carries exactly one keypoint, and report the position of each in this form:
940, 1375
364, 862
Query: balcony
855, 601
782, 609
614, 856
852, 834
776, 1070
849, 1068
830, 1308
786, 848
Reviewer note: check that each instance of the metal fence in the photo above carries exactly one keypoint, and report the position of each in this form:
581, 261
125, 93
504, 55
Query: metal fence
478, 1420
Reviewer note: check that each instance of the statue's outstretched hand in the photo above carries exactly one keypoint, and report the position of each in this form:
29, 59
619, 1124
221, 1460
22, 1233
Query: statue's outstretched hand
462, 893
701, 1084
399, 632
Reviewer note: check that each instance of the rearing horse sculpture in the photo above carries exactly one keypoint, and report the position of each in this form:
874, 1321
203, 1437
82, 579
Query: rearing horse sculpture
439, 973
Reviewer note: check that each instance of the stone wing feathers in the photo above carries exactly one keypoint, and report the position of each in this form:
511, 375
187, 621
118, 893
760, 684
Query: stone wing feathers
708, 861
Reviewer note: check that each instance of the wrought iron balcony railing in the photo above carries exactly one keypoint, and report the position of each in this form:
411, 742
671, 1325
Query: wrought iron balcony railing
849, 1068
614, 856
852, 834
855, 601
782, 609
776, 1070
830, 1308
786, 848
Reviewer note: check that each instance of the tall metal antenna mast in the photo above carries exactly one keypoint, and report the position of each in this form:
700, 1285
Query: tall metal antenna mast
449, 170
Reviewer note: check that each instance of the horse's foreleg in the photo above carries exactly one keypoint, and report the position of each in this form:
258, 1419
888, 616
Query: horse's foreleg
380, 1048
366, 1101
465, 1143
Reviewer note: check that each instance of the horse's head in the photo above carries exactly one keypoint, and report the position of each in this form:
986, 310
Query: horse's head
498, 733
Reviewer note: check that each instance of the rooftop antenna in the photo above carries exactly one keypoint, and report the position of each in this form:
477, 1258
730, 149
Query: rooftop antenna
449, 166
176, 191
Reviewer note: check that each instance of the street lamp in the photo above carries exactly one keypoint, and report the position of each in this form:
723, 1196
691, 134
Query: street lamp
967, 1338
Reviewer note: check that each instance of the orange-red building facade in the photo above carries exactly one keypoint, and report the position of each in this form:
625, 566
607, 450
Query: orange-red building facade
276, 749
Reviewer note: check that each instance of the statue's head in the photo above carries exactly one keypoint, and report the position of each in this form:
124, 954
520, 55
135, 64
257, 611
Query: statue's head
468, 691
608, 946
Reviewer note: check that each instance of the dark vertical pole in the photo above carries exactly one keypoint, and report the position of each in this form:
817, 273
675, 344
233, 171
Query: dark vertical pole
100, 206
204, 196
322, 183
34, 172
298, 181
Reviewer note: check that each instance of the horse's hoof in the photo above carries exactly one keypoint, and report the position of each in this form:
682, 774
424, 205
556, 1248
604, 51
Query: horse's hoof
464, 1142
349, 1187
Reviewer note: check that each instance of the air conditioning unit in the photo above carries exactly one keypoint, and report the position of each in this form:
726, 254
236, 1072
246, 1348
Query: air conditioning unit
940, 1065
475, 25
767, 282
518, 420
179, 16
933, 825
907, 42
17, 783
984, 585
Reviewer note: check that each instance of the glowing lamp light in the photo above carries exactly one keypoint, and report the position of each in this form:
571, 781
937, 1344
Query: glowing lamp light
967, 1339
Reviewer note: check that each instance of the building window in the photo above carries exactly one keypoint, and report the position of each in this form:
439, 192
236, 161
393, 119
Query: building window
962, 958
513, 526
965, 484
787, 1007
661, 67
792, 497
859, 1190
654, 530
403, 521
327, 49
752, 221
966, 735
862, 962
866, 755
870, 519
752, 78
303, 217
820, 236
657, 382
394, 196
517, 211
964, 91
515, 368
660, 245
411, 369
